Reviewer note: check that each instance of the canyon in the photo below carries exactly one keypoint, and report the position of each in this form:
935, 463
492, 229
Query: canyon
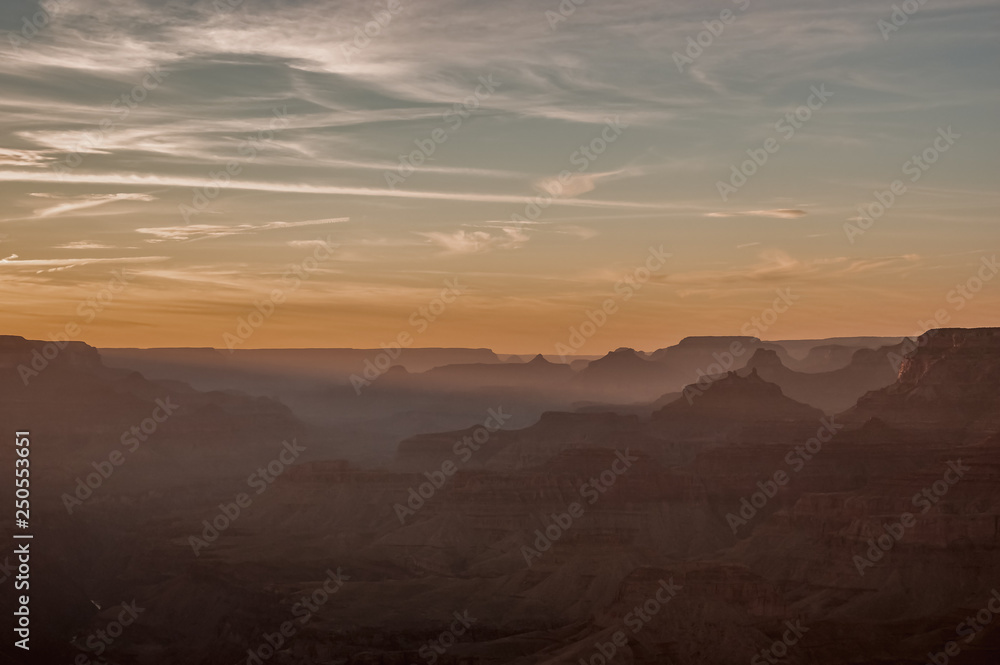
765, 492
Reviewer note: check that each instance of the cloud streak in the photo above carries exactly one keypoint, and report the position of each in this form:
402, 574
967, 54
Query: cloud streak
301, 188
475, 242
72, 204
778, 213
14, 262
193, 232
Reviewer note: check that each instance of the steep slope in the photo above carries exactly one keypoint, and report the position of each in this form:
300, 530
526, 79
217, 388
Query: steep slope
832, 391
733, 397
951, 380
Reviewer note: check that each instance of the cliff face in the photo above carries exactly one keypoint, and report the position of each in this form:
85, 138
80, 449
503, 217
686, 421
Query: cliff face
957, 357
951, 379
83, 410
27, 358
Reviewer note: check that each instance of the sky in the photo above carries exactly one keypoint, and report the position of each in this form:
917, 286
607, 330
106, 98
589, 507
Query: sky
511, 175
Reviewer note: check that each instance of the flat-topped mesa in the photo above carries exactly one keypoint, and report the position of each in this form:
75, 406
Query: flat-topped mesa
987, 337
826, 357
37, 354
716, 340
537, 374
765, 358
702, 346
873, 356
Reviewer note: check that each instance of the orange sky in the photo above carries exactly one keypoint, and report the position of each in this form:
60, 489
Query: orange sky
537, 164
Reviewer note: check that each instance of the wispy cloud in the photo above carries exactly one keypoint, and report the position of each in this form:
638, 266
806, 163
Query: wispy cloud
582, 232
354, 116
576, 184
203, 231
56, 265
778, 266
472, 242
83, 244
10, 157
778, 213
302, 188
74, 203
